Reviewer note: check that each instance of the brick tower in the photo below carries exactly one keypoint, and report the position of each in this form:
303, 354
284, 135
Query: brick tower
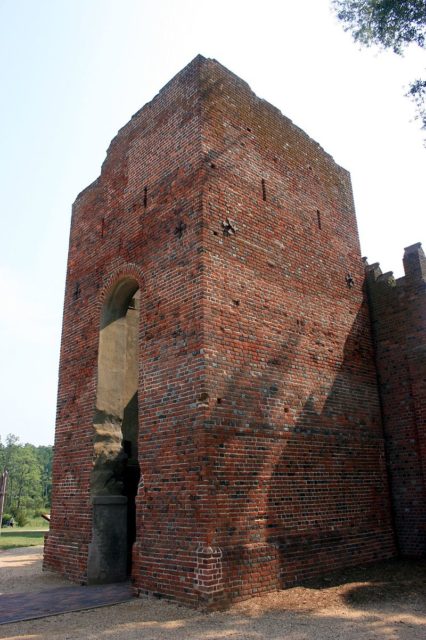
219, 430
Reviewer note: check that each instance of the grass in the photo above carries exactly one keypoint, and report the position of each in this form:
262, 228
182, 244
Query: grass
12, 538
27, 536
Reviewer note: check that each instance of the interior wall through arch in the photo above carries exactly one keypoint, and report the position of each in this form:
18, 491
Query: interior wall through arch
116, 411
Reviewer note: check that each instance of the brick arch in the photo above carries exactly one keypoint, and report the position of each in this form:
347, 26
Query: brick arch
121, 272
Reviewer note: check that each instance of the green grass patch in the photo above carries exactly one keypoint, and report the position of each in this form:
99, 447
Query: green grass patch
12, 538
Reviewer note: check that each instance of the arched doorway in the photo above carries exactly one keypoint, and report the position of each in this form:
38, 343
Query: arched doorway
115, 474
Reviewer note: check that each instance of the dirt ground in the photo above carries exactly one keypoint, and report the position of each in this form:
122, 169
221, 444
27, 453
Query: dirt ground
384, 602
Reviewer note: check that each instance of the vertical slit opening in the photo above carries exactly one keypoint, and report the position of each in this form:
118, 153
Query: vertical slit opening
263, 190
319, 219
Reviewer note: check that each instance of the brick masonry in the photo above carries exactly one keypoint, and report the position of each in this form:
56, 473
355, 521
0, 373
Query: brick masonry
398, 311
260, 435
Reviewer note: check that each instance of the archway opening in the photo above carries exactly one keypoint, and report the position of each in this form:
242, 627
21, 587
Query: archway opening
115, 475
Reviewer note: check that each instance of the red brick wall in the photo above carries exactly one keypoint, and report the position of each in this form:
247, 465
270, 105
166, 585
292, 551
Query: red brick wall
294, 434
399, 322
119, 229
260, 437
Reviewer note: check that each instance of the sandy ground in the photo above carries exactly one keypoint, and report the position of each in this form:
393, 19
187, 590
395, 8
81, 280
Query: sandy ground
384, 602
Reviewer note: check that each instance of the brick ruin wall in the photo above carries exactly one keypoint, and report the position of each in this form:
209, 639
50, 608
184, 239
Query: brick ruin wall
398, 313
260, 442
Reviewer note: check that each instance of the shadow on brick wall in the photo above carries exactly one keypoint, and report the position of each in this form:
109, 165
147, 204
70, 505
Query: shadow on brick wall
300, 492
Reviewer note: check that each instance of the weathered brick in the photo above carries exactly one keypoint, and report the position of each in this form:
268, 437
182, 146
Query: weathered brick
260, 440
398, 311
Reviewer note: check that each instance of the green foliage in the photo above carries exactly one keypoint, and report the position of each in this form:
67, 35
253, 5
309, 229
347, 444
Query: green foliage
391, 24
6, 518
29, 482
45, 455
22, 517
417, 92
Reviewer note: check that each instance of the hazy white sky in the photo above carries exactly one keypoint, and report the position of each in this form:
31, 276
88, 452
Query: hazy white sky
72, 72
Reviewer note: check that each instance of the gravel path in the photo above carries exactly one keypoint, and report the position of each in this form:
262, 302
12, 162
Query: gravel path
386, 602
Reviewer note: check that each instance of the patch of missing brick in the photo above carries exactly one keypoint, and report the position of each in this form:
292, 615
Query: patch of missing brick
180, 229
77, 291
229, 227
350, 281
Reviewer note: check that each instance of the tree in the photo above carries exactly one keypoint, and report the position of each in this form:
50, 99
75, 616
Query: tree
44, 455
29, 482
390, 24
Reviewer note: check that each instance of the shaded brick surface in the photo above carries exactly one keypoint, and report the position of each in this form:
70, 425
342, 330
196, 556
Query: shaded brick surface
398, 309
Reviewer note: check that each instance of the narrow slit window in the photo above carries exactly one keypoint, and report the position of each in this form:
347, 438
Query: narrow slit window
319, 219
263, 190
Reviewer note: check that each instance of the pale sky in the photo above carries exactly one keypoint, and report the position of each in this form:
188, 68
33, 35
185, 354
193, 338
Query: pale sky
72, 72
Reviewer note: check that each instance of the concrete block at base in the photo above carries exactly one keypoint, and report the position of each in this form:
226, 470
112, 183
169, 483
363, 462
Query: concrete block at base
107, 560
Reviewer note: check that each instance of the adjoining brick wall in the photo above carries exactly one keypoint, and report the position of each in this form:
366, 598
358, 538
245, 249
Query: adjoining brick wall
260, 443
398, 309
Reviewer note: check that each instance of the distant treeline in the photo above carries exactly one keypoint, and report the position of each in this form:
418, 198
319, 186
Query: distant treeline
29, 481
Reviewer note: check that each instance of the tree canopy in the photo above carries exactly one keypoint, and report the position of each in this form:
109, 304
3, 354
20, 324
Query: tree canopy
390, 24
29, 481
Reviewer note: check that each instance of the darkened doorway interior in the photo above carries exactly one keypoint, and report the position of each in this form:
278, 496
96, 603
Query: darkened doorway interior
116, 472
